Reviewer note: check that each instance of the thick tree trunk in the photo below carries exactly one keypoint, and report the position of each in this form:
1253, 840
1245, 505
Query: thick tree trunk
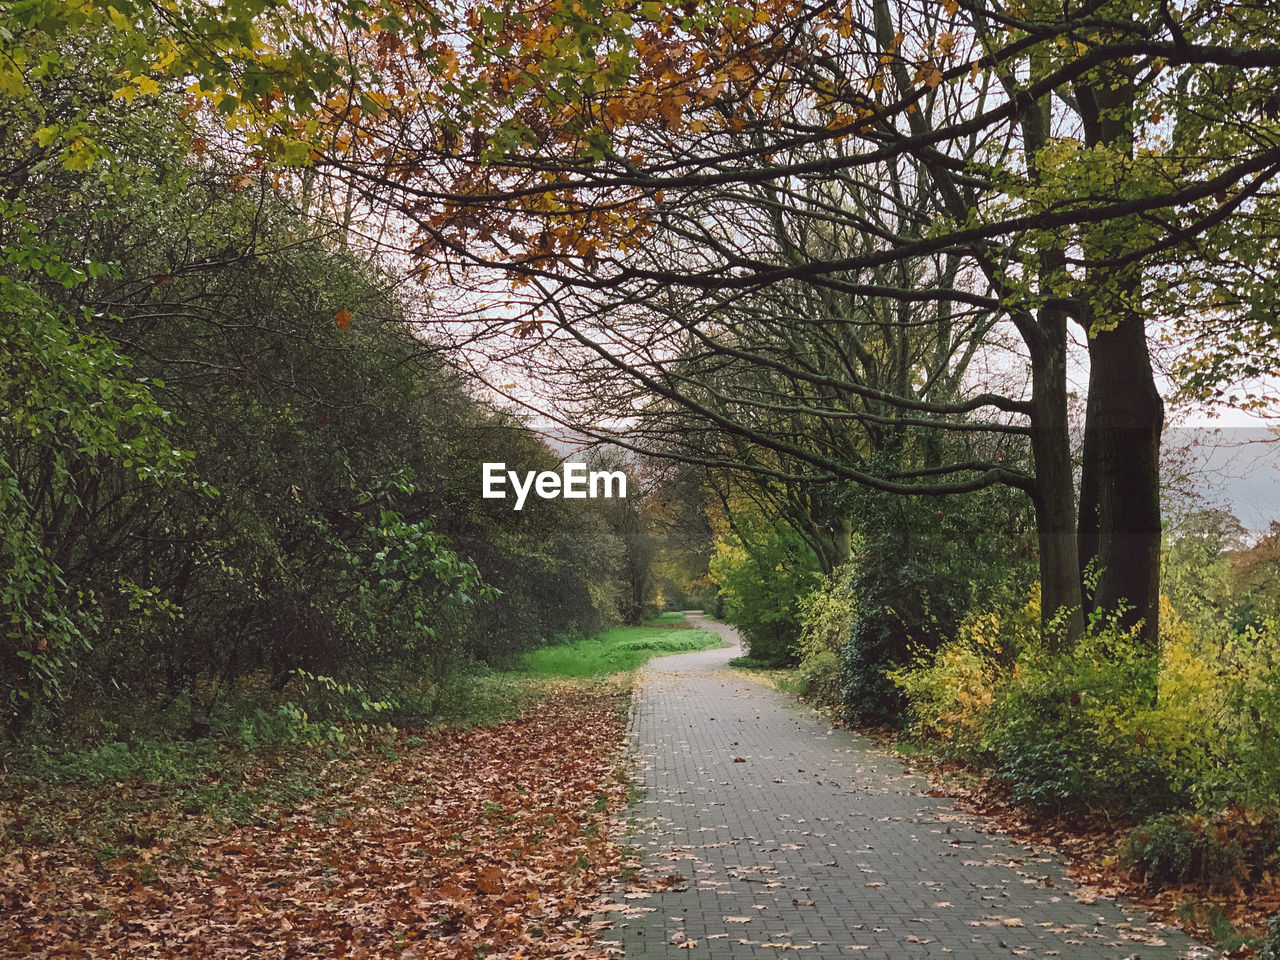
1054, 495
1119, 531
835, 539
1121, 478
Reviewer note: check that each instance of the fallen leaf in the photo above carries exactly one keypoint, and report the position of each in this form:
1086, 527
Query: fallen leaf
490, 880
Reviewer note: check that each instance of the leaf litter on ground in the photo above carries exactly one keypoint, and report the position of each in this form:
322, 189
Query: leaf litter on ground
492, 842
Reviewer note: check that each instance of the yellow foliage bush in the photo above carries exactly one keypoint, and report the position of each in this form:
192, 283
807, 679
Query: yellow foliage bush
1200, 718
950, 691
949, 694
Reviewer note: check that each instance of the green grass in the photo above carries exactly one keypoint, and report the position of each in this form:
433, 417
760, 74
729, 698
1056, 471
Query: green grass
671, 616
751, 663
623, 648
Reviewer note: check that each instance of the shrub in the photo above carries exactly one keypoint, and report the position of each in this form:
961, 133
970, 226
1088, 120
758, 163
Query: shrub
826, 614
872, 651
1271, 947
151, 760
1217, 721
1248, 771
287, 726
1067, 729
1109, 723
922, 564
818, 678
902, 606
761, 581
950, 693
1177, 848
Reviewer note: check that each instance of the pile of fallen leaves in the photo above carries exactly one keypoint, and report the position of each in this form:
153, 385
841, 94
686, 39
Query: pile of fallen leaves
492, 842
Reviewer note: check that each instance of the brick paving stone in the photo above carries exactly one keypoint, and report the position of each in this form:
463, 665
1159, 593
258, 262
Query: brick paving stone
797, 839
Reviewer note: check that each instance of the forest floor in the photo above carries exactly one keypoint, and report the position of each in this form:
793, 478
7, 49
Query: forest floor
488, 836
488, 842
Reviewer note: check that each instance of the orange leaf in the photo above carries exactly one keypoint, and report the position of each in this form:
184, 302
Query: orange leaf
490, 880
342, 318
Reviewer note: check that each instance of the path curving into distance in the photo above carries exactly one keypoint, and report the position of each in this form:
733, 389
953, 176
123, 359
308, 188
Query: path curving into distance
796, 839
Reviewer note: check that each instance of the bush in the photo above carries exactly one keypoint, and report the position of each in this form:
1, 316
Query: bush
288, 725
950, 693
818, 678
1217, 722
761, 581
826, 614
921, 566
874, 649
1177, 848
1271, 948
1068, 730
1110, 723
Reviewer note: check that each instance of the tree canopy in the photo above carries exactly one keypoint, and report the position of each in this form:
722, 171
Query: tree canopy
1107, 165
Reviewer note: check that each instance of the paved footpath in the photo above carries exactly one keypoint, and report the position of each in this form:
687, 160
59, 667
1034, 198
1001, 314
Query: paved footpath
765, 832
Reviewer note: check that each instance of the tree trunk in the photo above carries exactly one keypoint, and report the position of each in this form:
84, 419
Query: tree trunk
1054, 494
1088, 528
1119, 528
1122, 478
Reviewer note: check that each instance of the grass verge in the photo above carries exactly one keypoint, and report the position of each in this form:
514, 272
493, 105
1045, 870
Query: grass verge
617, 650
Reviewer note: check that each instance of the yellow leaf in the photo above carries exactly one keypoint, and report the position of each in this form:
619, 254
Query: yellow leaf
126, 93
118, 19
81, 155
12, 82
146, 85
163, 63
